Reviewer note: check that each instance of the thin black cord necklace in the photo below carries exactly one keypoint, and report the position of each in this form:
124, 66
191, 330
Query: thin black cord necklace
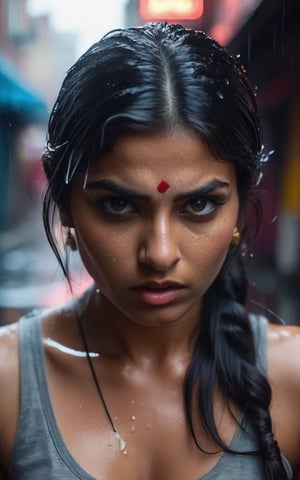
91, 366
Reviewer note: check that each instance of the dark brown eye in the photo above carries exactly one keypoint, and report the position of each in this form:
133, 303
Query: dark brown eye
116, 205
200, 206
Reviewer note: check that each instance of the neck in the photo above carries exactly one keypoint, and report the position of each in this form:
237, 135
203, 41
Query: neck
111, 332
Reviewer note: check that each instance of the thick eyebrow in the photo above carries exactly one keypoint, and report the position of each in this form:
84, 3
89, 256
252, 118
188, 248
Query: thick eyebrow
115, 188
204, 190
128, 193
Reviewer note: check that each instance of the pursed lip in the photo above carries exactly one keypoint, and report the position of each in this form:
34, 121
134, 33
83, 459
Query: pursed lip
156, 285
159, 293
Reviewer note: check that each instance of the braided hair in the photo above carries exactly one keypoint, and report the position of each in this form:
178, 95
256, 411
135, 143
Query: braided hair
159, 77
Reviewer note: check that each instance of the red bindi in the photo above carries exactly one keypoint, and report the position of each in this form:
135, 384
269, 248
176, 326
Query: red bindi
163, 186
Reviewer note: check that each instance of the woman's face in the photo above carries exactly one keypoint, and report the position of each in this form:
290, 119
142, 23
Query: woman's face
154, 224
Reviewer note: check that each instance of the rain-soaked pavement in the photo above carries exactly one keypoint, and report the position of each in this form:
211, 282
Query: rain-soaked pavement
29, 273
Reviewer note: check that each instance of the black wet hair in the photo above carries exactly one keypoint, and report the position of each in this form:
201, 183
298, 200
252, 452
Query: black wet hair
151, 78
157, 78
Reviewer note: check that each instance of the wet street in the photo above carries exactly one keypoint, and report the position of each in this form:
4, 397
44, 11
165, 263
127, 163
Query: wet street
29, 273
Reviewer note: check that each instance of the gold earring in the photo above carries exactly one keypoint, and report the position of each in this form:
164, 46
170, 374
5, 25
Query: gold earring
236, 237
70, 241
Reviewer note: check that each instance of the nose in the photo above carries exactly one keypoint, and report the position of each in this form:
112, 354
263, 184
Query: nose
159, 247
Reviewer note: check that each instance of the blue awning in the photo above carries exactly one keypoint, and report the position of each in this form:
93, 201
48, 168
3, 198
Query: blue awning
16, 96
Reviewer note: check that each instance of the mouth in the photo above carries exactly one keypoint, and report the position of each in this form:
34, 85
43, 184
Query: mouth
158, 293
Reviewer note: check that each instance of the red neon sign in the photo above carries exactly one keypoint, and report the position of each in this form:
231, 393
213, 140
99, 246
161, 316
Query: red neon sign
171, 9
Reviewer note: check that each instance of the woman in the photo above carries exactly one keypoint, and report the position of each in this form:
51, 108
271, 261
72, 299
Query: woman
158, 371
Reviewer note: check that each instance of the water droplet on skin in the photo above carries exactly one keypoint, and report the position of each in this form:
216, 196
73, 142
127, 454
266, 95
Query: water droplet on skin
133, 429
132, 401
124, 452
148, 426
69, 351
133, 417
122, 443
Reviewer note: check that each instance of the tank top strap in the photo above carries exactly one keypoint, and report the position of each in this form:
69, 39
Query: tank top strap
39, 450
259, 325
30, 355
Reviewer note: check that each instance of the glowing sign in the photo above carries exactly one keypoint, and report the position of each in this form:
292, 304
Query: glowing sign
171, 9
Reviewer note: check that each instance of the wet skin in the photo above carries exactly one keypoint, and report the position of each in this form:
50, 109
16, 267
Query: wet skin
178, 239
152, 253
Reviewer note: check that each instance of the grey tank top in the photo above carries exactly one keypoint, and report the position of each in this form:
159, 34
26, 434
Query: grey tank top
39, 451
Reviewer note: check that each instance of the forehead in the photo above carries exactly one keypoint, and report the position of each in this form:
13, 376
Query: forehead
160, 156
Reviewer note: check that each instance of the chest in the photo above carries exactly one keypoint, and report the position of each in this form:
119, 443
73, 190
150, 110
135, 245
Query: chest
68, 427
150, 416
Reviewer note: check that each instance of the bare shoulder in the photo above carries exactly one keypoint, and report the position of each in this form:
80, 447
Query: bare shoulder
284, 358
284, 378
9, 365
284, 350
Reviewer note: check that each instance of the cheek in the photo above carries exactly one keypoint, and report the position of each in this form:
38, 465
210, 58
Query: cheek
209, 253
100, 251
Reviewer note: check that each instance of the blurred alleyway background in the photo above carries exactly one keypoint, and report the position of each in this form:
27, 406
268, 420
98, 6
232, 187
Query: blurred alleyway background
38, 44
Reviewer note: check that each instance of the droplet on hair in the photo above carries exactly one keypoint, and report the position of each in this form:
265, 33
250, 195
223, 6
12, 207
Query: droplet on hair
259, 178
220, 95
274, 219
265, 157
